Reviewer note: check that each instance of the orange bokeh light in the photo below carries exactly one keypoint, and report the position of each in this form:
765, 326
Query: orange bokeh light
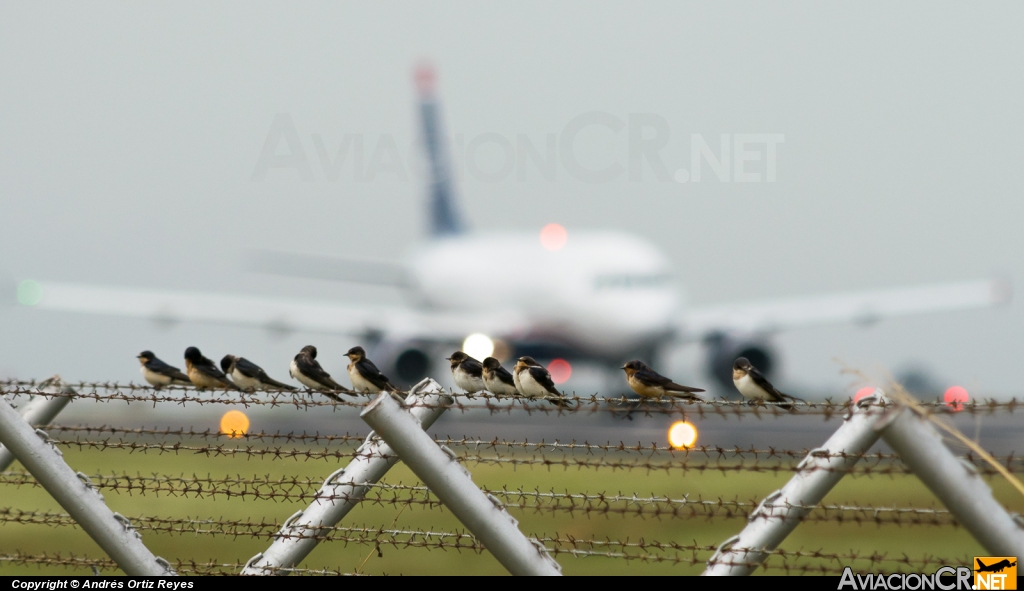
234, 423
560, 371
553, 237
682, 435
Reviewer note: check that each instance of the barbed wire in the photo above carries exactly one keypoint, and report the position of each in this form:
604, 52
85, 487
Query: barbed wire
219, 568
208, 434
1011, 462
572, 503
474, 451
182, 567
485, 401
727, 460
556, 544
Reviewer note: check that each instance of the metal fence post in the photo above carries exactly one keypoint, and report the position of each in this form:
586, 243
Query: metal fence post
41, 410
344, 489
955, 482
780, 512
482, 514
110, 530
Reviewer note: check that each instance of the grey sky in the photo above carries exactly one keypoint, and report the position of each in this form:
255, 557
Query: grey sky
129, 134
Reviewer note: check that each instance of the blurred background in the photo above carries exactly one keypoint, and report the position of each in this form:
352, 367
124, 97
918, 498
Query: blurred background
131, 139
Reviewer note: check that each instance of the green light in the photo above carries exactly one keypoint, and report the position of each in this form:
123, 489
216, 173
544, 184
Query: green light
30, 292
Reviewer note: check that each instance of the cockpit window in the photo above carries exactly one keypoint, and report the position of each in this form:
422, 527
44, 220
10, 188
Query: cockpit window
631, 281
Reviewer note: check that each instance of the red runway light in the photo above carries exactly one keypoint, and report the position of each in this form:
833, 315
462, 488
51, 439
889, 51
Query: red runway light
425, 77
560, 371
955, 398
553, 237
866, 391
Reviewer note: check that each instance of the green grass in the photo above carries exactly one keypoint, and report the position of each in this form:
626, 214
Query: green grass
912, 540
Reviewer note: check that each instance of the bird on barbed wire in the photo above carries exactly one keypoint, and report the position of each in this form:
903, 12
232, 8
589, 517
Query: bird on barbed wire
249, 376
533, 380
497, 379
364, 374
307, 370
158, 373
204, 374
467, 372
650, 384
755, 387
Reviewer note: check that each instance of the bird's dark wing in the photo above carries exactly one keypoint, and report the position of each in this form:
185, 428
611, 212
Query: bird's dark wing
311, 368
505, 377
279, 385
653, 378
249, 369
157, 366
369, 371
473, 367
207, 367
210, 370
542, 377
767, 386
674, 387
368, 366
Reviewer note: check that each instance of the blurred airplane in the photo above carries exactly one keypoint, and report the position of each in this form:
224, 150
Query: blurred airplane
601, 296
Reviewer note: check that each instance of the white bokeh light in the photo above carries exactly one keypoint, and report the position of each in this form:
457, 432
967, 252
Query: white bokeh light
682, 435
478, 346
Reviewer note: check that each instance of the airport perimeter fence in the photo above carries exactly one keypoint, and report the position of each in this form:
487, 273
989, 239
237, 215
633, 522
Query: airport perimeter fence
357, 466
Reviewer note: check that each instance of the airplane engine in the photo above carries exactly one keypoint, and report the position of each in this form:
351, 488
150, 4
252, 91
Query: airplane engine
412, 365
723, 351
405, 362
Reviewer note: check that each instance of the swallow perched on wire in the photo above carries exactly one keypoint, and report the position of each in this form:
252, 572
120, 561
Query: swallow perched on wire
307, 370
249, 376
468, 373
364, 374
158, 373
534, 381
497, 379
204, 374
754, 386
650, 384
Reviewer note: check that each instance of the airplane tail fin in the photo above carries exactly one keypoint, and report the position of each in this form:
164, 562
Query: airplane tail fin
444, 216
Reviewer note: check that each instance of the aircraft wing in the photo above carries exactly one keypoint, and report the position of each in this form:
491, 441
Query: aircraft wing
276, 314
864, 307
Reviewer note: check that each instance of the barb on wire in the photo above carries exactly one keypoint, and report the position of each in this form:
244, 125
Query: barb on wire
1011, 462
536, 501
641, 549
718, 459
184, 567
210, 434
115, 392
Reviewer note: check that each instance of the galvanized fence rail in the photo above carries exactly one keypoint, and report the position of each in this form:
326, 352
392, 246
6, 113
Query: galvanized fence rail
343, 489
957, 484
399, 434
113, 532
781, 511
39, 411
482, 515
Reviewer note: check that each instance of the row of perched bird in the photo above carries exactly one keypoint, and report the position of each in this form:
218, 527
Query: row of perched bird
528, 378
